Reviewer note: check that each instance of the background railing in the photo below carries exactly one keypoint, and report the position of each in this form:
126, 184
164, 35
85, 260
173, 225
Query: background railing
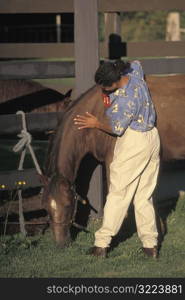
41, 33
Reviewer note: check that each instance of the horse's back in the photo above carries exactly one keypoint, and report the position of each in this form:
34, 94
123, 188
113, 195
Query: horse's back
168, 94
30, 96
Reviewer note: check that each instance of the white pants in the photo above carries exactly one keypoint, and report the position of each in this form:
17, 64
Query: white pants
133, 176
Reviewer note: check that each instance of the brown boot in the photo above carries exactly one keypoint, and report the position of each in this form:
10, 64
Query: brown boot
98, 251
151, 252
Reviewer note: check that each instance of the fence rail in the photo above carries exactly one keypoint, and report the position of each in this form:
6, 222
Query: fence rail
66, 50
36, 33
14, 179
55, 6
60, 69
11, 124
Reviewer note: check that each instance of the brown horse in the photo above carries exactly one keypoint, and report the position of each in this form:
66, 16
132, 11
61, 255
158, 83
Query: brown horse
30, 96
70, 145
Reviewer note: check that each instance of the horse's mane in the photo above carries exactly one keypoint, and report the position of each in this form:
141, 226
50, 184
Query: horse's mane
53, 147
76, 101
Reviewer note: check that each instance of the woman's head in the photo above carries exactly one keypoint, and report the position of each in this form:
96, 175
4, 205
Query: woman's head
109, 73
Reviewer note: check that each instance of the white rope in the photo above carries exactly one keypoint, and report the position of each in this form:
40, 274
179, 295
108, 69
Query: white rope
21, 214
24, 144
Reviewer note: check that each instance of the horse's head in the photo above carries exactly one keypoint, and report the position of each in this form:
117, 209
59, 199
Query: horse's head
61, 212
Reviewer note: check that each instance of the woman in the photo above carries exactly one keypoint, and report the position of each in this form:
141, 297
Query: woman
135, 166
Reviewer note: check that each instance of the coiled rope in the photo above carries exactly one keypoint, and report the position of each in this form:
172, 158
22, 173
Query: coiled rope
23, 145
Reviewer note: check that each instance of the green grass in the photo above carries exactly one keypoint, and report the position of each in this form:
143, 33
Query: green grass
38, 257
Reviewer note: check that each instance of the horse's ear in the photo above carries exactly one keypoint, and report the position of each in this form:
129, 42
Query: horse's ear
68, 94
67, 98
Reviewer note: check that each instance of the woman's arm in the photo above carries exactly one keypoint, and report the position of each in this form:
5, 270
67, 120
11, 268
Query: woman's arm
90, 121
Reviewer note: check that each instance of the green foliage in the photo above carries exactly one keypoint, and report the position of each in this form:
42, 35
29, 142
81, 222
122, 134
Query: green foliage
183, 25
183, 19
14, 243
146, 26
142, 26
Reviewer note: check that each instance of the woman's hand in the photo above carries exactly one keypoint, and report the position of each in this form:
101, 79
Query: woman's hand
87, 121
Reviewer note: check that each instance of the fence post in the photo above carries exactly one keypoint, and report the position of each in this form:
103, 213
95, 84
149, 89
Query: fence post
86, 44
112, 24
86, 63
173, 27
112, 30
58, 28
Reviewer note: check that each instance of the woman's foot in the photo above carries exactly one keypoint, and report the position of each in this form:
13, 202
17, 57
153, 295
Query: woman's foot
98, 251
151, 252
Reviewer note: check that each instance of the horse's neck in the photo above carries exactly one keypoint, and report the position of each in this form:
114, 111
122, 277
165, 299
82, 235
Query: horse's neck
69, 157
73, 146
89, 101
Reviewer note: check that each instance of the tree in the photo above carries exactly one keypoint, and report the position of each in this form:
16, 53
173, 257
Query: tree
146, 26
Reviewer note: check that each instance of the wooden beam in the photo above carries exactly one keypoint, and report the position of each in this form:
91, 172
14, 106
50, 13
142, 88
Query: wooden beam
24, 179
173, 27
36, 50
36, 123
66, 50
56, 6
86, 44
145, 49
112, 24
112, 29
32, 203
86, 63
163, 66
139, 5
156, 49
36, 69
35, 6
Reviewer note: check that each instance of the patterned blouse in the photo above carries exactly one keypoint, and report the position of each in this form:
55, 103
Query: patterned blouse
131, 106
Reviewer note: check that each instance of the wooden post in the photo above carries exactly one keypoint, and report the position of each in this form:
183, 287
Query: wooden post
86, 63
86, 44
58, 28
112, 31
173, 27
112, 24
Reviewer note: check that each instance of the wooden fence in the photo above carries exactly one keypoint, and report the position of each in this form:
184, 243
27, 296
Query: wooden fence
130, 49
